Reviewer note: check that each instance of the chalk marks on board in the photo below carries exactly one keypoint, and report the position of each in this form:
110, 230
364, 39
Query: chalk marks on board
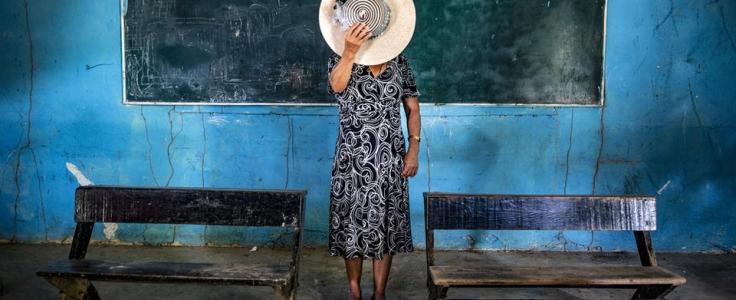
510, 51
223, 51
271, 51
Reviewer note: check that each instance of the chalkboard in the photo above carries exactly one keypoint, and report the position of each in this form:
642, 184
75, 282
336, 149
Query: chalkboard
271, 51
509, 51
224, 51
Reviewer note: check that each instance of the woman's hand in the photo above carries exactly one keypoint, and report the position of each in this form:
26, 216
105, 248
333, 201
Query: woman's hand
411, 165
355, 36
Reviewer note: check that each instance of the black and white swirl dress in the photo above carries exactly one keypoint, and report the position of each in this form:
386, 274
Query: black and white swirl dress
369, 207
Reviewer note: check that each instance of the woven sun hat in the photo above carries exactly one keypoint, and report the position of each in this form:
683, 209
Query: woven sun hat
391, 22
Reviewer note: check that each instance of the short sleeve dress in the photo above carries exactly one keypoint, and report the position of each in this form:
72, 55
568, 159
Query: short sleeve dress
369, 206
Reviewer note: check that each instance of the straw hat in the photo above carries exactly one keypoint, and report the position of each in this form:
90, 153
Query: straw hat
391, 21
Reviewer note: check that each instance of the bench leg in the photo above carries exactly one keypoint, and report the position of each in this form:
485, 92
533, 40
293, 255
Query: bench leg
286, 291
437, 292
652, 291
74, 289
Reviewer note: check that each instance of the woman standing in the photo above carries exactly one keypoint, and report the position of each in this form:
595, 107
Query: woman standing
369, 207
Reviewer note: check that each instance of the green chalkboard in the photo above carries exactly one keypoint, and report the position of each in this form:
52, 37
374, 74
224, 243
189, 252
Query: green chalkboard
223, 52
268, 51
509, 51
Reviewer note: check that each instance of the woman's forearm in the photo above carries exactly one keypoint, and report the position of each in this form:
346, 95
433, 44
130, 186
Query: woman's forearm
341, 73
413, 123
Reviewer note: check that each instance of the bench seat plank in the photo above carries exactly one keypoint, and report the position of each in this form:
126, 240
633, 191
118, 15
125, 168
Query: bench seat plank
614, 276
169, 272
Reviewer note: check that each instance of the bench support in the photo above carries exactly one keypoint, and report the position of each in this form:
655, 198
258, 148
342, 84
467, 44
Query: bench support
648, 259
74, 289
286, 291
652, 291
80, 243
646, 249
437, 292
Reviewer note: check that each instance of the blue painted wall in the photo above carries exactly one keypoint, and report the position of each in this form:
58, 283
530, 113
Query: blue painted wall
667, 127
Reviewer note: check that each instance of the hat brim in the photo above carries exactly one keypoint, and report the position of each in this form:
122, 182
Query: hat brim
378, 50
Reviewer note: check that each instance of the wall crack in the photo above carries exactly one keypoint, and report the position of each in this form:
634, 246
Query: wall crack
601, 133
150, 148
569, 147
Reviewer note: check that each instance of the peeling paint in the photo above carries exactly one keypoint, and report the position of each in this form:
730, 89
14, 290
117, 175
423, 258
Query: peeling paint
81, 179
109, 229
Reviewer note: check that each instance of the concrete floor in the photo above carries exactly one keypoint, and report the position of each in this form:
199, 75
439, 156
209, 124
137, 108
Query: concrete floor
710, 276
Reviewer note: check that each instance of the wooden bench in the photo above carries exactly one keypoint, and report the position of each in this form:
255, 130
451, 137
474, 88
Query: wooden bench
271, 208
444, 211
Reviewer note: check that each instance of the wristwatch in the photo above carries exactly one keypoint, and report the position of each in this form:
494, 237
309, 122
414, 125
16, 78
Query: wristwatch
411, 136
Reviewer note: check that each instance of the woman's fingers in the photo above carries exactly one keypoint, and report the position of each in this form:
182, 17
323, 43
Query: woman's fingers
365, 35
409, 171
353, 29
360, 29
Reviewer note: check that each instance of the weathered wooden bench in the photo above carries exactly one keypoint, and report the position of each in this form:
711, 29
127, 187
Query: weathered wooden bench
272, 208
444, 211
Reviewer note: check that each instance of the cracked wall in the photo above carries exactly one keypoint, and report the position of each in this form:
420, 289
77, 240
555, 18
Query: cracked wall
667, 128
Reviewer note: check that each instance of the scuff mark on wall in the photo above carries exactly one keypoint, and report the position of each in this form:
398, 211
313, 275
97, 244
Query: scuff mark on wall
90, 67
217, 120
664, 187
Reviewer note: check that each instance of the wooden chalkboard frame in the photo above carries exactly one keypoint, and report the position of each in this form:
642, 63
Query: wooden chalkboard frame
600, 103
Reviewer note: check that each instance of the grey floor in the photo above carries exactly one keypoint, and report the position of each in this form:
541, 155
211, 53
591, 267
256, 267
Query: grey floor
710, 276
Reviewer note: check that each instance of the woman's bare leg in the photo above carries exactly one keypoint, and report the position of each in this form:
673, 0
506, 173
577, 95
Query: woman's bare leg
354, 269
381, 268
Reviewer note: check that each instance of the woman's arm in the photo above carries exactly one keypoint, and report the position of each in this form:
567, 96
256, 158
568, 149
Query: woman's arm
355, 36
414, 124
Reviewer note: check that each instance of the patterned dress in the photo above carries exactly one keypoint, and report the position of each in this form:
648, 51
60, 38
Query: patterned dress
369, 207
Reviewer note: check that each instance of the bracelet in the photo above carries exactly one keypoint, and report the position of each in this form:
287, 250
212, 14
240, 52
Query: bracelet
415, 137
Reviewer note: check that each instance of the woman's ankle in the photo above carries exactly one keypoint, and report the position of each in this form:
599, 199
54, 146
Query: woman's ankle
354, 291
378, 295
